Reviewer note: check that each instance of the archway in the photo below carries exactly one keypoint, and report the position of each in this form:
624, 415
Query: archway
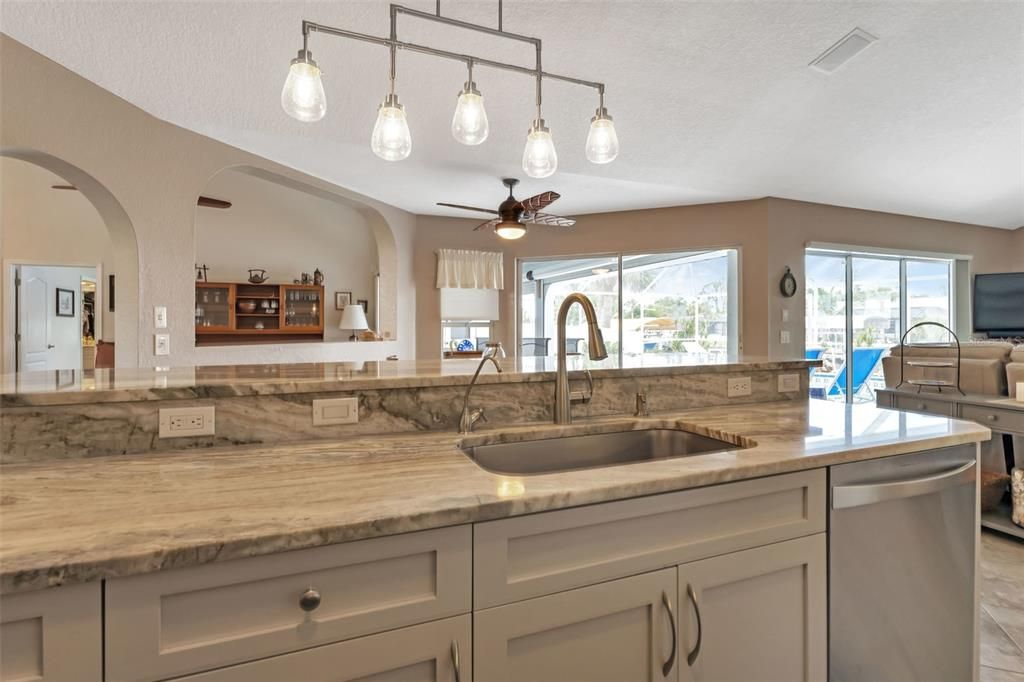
125, 254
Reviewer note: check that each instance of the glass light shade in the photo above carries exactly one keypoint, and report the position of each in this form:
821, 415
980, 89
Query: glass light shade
469, 124
391, 140
602, 142
539, 157
509, 230
302, 96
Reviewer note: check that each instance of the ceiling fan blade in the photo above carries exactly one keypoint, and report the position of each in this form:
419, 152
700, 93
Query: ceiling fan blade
468, 208
539, 201
489, 223
549, 219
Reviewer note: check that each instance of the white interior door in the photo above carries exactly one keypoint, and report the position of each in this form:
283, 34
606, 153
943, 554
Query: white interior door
49, 341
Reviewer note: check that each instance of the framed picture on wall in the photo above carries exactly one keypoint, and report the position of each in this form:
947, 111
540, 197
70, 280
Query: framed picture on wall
366, 305
342, 299
110, 293
65, 303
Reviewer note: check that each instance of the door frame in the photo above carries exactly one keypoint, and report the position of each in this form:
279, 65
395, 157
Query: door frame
9, 304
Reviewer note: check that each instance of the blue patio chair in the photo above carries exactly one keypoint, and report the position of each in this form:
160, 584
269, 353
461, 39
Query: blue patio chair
864, 362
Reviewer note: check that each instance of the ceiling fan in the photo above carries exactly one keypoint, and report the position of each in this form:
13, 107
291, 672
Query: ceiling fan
513, 215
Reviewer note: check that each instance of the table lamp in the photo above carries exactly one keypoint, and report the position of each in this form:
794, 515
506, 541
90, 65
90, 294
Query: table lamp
353, 317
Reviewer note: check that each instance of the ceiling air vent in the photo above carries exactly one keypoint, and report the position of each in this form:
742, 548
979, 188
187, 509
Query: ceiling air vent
848, 47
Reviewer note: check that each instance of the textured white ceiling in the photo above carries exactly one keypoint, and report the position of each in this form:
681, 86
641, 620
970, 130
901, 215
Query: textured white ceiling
712, 100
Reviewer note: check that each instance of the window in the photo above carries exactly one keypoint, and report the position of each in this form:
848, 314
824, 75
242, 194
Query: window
455, 334
654, 307
859, 305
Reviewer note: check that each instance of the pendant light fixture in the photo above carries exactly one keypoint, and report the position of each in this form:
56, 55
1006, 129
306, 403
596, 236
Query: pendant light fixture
469, 124
602, 142
391, 140
303, 97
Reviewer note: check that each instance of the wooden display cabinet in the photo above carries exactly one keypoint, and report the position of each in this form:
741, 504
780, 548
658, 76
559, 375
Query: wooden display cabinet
245, 313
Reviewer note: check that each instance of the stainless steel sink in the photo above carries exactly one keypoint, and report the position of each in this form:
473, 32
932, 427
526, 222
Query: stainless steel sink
569, 453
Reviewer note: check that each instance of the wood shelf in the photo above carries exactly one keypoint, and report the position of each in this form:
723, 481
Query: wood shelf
999, 519
237, 327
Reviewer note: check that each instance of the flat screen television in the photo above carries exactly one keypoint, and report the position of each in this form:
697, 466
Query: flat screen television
999, 304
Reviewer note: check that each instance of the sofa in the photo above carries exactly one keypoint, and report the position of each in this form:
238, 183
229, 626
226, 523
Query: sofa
983, 366
1015, 370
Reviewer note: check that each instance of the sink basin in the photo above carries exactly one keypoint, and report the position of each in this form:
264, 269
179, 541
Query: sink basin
570, 453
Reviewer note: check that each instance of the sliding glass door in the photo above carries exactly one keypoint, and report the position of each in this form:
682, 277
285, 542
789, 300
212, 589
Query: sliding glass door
653, 308
859, 306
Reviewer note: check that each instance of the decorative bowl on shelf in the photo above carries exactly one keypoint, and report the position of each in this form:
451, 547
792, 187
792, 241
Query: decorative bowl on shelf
257, 275
246, 306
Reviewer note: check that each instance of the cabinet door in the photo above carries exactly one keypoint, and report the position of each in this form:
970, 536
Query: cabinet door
614, 631
302, 309
432, 652
215, 308
762, 614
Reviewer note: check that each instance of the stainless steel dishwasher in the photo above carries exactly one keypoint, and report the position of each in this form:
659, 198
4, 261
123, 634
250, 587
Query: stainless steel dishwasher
901, 567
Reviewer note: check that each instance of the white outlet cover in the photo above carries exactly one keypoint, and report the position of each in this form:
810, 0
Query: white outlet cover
789, 383
178, 422
738, 387
335, 411
784, 337
160, 317
162, 344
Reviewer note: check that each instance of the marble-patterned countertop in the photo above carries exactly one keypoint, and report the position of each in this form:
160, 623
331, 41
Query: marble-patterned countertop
87, 519
68, 387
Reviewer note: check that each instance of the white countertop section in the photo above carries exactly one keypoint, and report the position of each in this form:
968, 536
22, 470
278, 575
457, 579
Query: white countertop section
123, 384
78, 520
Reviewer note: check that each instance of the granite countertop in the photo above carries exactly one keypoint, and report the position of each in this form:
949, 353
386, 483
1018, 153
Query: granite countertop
68, 387
79, 520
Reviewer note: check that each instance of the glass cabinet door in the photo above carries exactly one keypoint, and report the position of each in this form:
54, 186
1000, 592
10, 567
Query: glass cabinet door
303, 308
213, 307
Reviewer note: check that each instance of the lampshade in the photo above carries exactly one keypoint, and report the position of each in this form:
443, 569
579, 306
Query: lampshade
353, 317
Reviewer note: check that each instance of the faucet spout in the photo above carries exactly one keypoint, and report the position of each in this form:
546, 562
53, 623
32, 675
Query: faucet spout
469, 417
595, 347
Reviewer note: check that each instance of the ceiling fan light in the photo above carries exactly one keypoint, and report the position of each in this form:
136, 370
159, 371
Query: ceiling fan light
539, 157
302, 96
469, 124
510, 230
391, 140
602, 142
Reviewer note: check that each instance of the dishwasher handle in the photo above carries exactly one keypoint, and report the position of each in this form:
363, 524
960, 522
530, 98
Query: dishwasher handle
845, 496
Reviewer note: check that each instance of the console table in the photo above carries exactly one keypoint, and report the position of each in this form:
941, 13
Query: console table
1003, 415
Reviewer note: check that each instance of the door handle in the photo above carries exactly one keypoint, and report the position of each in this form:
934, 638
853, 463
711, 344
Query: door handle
846, 496
691, 657
49, 346
666, 667
455, 660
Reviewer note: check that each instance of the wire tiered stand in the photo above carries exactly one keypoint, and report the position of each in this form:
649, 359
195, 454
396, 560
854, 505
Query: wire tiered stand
938, 363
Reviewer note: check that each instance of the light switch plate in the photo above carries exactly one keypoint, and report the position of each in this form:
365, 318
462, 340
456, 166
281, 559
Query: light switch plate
335, 411
785, 314
737, 387
789, 383
176, 422
160, 317
162, 344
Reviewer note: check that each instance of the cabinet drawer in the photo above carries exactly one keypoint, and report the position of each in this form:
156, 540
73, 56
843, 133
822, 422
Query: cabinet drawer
994, 418
52, 635
528, 556
182, 621
915, 403
432, 652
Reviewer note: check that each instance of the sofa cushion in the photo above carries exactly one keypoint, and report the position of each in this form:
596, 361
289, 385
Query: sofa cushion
978, 350
987, 376
1017, 354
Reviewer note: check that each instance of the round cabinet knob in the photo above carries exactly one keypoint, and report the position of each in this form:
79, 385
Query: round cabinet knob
991, 417
309, 600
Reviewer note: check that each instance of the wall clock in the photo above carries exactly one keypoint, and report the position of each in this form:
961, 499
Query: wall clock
787, 285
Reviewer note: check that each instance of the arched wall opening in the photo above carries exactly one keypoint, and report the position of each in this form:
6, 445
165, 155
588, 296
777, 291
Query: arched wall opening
289, 227
25, 242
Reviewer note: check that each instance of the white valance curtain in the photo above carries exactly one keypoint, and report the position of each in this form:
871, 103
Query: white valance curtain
464, 269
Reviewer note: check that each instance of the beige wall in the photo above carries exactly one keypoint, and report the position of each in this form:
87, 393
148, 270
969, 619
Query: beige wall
154, 171
771, 234
286, 232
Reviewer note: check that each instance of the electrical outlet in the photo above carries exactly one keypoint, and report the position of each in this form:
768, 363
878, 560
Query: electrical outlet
784, 336
789, 383
737, 387
176, 422
162, 344
160, 317
335, 411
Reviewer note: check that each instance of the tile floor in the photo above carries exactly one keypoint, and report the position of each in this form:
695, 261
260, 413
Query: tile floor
1002, 608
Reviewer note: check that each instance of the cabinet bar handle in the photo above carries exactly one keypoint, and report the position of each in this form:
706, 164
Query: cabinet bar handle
455, 660
666, 668
691, 657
